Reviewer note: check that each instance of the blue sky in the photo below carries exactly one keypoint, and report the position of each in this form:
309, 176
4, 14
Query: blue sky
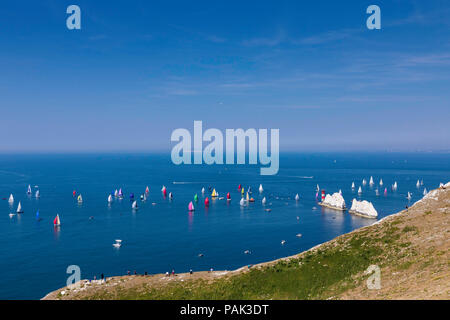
137, 70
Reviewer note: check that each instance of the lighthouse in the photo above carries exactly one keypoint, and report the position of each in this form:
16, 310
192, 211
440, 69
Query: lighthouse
323, 195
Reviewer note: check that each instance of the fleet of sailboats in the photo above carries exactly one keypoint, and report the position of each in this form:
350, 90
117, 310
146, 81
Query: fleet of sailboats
245, 199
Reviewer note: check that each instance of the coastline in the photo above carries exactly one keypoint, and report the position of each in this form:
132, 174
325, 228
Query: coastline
437, 199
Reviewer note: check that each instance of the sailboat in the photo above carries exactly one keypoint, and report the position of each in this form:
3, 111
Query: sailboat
110, 199
38, 218
353, 185
117, 244
195, 197
214, 194
364, 182
29, 189
191, 206
206, 202
228, 197
134, 206
425, 191
263, 201
80, 198
297, 197
381, 182
19, 208
385, 191
242, 202
394, 187
57, 222
247, 197
409, 196
421, 182
38, 194
371, 181
11, 198
164, 190
418, 184
242, 191
203, 190
317, 188
377, 192
239, 187
340, 192
147, 190
116, 193
170, 195
120, 194
261, 188
359, 190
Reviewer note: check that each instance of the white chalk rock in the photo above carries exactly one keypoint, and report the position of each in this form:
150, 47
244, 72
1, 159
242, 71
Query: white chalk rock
364, 207
335, 200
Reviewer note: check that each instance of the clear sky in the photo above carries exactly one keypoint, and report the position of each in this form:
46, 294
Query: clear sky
137, 70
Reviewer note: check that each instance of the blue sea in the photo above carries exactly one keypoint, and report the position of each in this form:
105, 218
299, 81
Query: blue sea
162, 235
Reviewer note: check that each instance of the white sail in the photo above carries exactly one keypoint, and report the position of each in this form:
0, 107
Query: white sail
381, 182
297, 197
261, 188
340, 192
421, 182
394, 187
409, 196
371, 181
110, 199
11, 198
425, 191
353, 185
134, 205
418, 184
364, 182
38, 194
317, 188
359, 190
19, 208
203, 190
242, 202
116, 193
80, 198
29, 189
377, 192
264, 200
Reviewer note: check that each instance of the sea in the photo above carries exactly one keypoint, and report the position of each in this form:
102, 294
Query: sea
162, 235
